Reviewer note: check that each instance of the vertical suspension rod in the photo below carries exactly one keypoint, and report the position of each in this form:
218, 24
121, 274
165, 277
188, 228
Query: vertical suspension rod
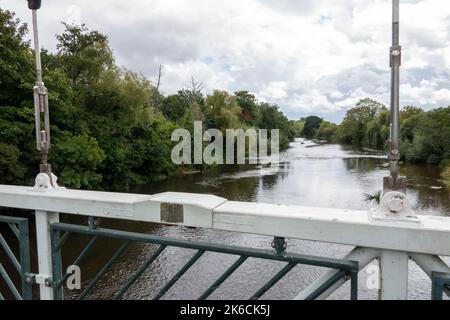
395, 62
40, 98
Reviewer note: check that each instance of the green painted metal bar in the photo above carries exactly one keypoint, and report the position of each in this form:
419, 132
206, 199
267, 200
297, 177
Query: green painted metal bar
63, 239
354, 285
138, 273
326, 285
223, 277
85, 251
347, 268
1, 296
436, 288
80, 258
10, 254
273, 281
14, 229
439, 282
233, 250
56, 264
178, 275
19, 227
24, 245
105, 268
9, 283
9, 219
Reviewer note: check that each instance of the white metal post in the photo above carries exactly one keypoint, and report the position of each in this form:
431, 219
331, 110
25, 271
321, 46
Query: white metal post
394, 275
43, 221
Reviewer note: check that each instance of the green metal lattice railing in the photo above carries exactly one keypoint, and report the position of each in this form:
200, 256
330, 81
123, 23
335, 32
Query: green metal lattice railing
21, 265
440, 283
60, 233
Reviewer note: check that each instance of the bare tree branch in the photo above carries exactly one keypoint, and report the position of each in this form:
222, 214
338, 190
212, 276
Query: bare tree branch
196, 87
158, 84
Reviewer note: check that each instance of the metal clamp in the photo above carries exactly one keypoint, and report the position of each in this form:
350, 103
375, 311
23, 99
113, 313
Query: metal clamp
394, 206
46, 182
93, 223
39, 279
279, 244
395, 53
34, 4
41, 106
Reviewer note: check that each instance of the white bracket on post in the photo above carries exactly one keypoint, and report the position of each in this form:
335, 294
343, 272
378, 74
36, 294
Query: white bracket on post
394, 206
43, 183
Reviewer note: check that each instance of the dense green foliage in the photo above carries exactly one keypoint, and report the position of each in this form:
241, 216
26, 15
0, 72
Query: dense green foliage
111, 128
446, 175
312, 125
424, 136
366, 124
297, 127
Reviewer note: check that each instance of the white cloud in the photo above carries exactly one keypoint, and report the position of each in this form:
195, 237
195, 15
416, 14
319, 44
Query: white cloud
314, 102
441, 96
274, 90
426, 94
307, 56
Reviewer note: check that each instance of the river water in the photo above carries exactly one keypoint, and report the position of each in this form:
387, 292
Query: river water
327, 175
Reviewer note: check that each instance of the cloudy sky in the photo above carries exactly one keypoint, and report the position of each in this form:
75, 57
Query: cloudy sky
308, 56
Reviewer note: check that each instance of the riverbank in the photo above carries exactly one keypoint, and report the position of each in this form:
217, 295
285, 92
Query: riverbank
444, 165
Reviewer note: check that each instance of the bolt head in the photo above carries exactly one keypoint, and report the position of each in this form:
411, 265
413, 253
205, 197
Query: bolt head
396, 205
34, 4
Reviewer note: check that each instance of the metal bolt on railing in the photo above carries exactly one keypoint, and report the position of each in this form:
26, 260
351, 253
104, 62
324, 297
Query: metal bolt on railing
279, 244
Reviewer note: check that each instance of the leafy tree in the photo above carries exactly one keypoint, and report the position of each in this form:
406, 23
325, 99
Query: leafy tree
192, 96
174, 107
272, 118
10, 167
119, 95
409, 111
249, 107
430, 137
83, 54
106, 131
17, 156
312, 125
363, 124
446, 175
76, 159
222, 111
424, 135
409, 119
297, 127
327, 131
16, 61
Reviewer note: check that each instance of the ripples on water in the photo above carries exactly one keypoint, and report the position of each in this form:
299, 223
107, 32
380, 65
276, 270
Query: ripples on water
309, 175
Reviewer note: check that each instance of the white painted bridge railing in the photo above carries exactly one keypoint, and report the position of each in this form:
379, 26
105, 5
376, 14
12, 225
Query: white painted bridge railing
392, 241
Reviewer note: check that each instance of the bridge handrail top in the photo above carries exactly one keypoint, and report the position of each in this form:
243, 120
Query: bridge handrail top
328, 214
205, 201
429, 234
217, 205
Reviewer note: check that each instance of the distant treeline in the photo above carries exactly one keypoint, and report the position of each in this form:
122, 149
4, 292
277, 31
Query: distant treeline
425, 135
111, 127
